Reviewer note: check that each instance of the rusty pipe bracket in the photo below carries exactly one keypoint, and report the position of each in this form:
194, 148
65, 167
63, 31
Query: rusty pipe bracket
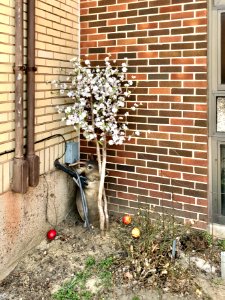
24, 68
19, 68
31, 69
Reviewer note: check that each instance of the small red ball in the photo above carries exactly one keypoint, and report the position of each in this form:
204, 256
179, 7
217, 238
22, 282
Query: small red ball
51, 234
126, 219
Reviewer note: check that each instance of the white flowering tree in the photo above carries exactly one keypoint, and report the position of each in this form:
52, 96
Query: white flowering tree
98, 93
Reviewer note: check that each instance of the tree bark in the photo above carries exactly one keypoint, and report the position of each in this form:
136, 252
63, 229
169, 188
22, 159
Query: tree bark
102, 200
101, 188
106, 210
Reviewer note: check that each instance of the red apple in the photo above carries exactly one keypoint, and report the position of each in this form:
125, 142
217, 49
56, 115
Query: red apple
51, 234
126, 219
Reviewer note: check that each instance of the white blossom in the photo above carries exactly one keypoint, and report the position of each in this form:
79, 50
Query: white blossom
98, 94
137, 132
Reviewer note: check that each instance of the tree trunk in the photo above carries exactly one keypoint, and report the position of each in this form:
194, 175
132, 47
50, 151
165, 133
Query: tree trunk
103, 171
106, 211
102, 201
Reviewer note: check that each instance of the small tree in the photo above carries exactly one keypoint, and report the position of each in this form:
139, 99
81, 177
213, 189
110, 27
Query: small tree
98, 94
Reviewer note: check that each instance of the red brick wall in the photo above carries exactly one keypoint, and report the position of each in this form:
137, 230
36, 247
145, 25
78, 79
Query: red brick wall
166, 44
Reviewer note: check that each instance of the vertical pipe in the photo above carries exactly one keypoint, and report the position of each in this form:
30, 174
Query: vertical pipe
33, 160
20, 166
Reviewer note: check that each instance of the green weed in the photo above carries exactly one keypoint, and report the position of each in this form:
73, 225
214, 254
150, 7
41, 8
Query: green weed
136, 298
221, 244
76, 288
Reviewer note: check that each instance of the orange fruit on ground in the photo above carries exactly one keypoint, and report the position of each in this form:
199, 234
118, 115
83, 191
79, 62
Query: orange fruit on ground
136, 232
126, 219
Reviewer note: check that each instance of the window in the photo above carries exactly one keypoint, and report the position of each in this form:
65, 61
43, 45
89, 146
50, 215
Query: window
217, 108
221, 48
222, 180
220, 114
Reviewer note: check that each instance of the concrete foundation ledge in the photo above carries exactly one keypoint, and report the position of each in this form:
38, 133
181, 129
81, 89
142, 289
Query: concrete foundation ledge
217, 230
25, 218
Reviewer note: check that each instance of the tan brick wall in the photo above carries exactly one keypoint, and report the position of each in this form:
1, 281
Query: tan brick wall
25, 218
57, 33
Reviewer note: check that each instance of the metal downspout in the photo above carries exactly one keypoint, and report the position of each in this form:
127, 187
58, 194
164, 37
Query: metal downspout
33, 160
20, 166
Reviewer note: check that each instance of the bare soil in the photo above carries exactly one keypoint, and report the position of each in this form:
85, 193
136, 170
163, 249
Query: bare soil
44, 270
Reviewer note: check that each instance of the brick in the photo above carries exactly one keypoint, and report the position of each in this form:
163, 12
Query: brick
127, 13
126, 54
198, 37
184, 199
106, 43
97, 24
97, 50
137, 191
182, 168
148, 200
119, 201
171, 73
88, 18
182, 46
159, 90
116, 35
137, 34
182, 91
127, 182
161, 17
148, 185
117, 7
112, 15
195, 6
106, 2
116, 49
137, 5
148, 12
116, 22
201, 171
169, 69
126, 28
158, 32
131, 41
117, 187
127, 196
182, 122
125, 168
147, 26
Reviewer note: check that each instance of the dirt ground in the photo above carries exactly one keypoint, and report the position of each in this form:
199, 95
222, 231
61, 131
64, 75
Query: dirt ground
45, 268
